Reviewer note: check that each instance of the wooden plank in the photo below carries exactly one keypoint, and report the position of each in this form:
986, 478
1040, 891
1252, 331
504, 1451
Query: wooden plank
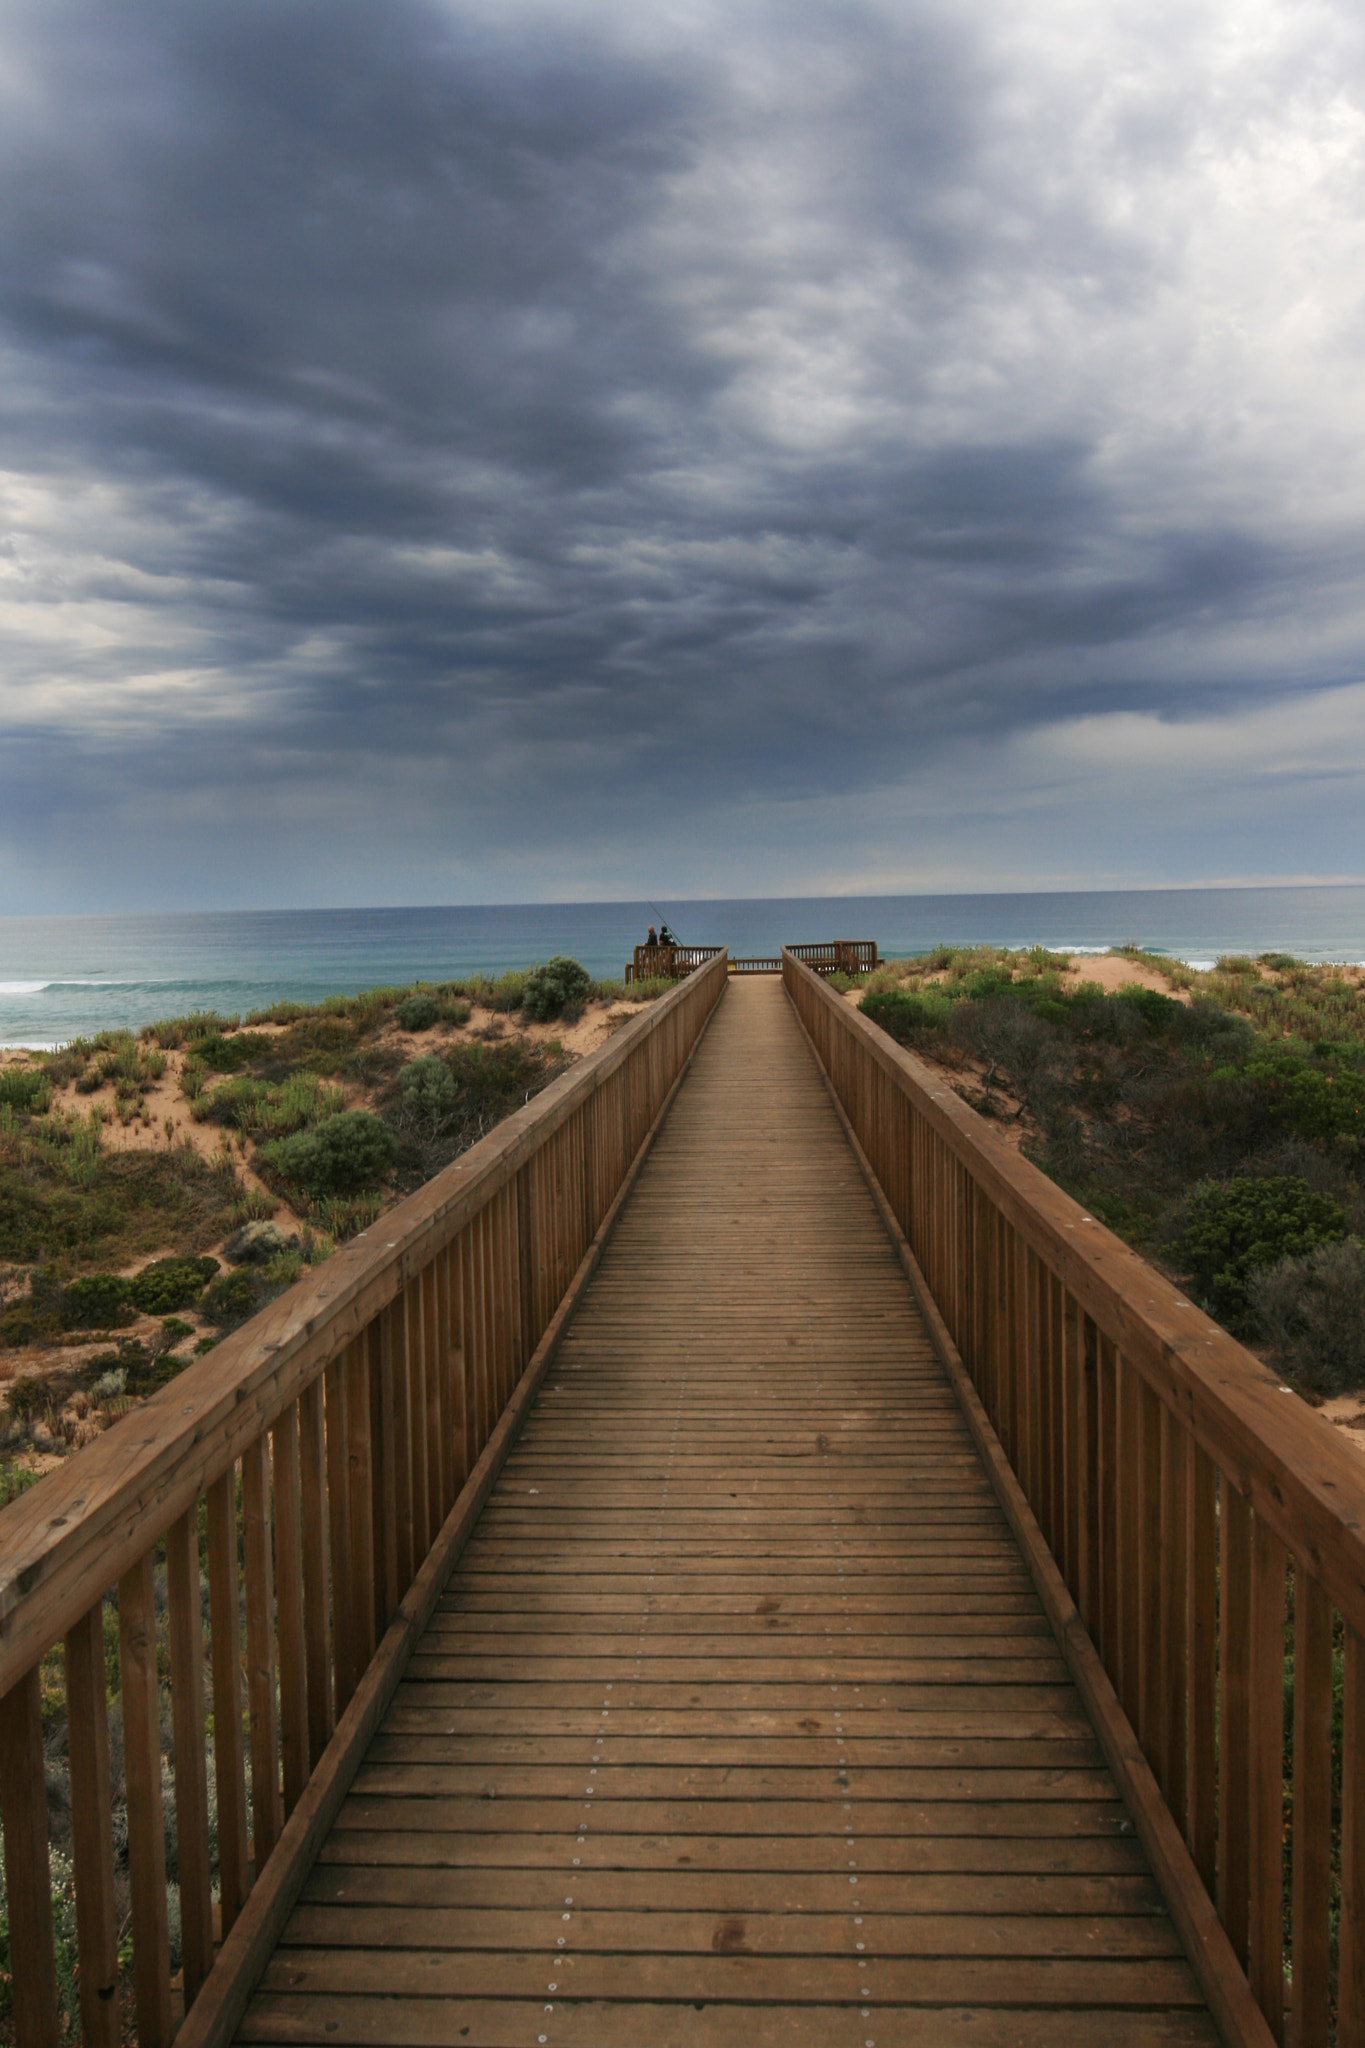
1265, 1763
191, 1776
142, 1777
317, 1586
291, 1647
229, 1762
92, 1832
266, 1809
1351, 1951
1201, 1657
342, 1568
28, 1883
1312, 1813
1234, 1700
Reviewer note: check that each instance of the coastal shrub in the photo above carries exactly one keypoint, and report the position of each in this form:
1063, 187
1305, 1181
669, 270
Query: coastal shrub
232, 1297
1311, 1313
430, 1092
261, 1109
26, 1089
347, 1153
906, 1017
169, 1284
505, 994
229, 1055
1232, 1228
417, 1012
558, 989
66, 1201
99, 1302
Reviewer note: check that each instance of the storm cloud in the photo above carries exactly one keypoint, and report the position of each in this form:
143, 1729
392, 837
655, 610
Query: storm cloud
455, 452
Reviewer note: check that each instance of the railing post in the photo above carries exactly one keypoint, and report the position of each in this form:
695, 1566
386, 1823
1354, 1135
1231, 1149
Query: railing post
92, 1829
28, 1880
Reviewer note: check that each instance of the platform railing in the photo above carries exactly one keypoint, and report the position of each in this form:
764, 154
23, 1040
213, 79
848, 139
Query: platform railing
307, 1486
1208, 1527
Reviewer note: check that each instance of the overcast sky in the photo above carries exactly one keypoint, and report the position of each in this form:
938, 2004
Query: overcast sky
456, 453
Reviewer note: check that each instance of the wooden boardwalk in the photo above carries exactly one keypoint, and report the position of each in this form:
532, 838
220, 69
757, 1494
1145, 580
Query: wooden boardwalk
740, 1721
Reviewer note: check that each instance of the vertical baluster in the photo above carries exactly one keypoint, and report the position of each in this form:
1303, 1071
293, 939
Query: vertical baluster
1152, 1638
393, 1371
1130, 1538
1351, 1951
317, 1597
438, 1447
469, 1322
229, 1766
191, 1780
1071, 1403
1265, 1756
415, 1349
1312, 1848
1234, 1704
383, 1483
1201, 1660
488, 1339
509, 1285
289, 1607
1108, 1389
1174, 1595
361, 1601
28, 1878
1086, 1473
92, 1830
456, 1375
142, 1774
260, 1652
339, 1533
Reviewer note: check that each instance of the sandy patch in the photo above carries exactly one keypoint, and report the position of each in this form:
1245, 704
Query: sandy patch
1114, 971
1346, 1413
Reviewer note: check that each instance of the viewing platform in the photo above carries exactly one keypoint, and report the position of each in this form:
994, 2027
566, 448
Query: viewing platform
739, 1558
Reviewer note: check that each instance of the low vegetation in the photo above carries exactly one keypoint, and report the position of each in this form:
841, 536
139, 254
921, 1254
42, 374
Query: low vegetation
1217, 1122
127, 1162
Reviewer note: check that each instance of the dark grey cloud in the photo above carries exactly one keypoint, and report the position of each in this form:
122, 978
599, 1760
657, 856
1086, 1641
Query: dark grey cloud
459, 447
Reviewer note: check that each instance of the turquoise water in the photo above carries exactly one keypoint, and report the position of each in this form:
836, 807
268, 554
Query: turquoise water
63, 977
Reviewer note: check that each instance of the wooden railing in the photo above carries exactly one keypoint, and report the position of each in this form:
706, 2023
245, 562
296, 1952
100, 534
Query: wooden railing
1190, 1505
668, 963
838, 956
318, 1473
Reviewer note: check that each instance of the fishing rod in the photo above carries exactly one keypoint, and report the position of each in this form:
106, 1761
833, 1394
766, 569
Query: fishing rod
663, 920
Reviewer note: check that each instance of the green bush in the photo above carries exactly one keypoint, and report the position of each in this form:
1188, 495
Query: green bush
506, 992
169, 1284
558, 989
430, 1093
1311, 1312
229, 1055
1235, 1227
232, 1298
903, 1016
99, 1302
26, 1089
417, 1012
347, 1153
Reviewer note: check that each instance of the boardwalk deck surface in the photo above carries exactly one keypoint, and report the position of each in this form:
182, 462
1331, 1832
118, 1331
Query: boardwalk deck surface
739, 1722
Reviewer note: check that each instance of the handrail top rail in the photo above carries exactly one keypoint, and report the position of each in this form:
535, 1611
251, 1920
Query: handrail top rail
96, 1515
1308, 1486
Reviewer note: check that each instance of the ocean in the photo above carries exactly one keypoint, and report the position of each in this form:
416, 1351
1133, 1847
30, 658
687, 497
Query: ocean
67, 977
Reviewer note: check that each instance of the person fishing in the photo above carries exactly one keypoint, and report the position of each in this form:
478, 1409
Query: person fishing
666, 937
